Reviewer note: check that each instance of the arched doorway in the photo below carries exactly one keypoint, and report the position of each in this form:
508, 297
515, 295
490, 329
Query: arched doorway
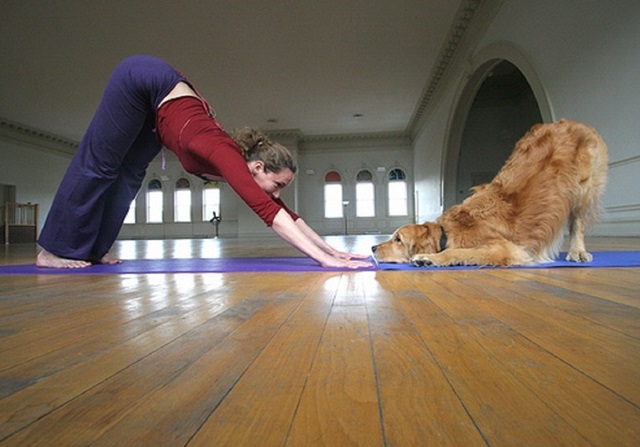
487, 126
503, 109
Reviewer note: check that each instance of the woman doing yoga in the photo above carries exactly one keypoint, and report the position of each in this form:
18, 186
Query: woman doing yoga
148, 104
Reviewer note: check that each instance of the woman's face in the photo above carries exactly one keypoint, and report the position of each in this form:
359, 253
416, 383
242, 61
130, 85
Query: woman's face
271, 182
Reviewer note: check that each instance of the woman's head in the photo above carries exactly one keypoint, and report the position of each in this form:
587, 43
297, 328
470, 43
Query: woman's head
271, 164
256, 146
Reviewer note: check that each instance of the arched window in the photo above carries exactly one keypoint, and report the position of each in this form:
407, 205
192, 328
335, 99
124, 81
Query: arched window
154, 201
397, 193
332, 195
210, 201
365, 197
182, 201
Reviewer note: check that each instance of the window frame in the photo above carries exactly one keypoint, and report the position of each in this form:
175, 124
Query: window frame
182, 201
397, 176
365, 207
333, 207
154, 189
207, 213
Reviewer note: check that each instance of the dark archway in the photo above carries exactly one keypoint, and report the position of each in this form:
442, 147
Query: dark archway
502, 111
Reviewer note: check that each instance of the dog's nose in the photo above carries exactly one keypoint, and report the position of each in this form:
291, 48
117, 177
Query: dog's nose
374, 248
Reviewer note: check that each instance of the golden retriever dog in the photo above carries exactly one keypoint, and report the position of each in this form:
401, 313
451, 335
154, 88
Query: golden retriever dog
554, 177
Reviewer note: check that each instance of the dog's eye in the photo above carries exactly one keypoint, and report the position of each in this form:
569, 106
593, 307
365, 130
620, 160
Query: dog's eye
397, 239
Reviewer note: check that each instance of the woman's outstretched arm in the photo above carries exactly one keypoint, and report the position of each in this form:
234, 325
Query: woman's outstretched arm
291, 232
320, 242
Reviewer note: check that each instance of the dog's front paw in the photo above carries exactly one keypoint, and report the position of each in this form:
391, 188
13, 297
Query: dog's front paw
579, 256
421, 261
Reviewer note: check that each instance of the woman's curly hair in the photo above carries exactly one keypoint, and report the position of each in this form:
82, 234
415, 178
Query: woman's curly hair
256, 145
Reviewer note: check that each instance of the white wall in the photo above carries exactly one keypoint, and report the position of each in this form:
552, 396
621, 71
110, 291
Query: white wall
581, 57
305, 195
348, 157
429, 147
35, 173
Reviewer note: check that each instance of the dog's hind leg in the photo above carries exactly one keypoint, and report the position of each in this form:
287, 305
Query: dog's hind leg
578, 250
592, 163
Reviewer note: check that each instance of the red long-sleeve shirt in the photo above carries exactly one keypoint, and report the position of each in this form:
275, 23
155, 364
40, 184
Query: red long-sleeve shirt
185, 127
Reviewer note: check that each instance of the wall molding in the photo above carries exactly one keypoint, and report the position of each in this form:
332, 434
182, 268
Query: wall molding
469, 24
40, 139
622, 208
370, 141
624, 162
339, 140
36, 138
456, 33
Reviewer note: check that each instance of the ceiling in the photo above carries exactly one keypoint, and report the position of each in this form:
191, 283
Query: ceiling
328, 67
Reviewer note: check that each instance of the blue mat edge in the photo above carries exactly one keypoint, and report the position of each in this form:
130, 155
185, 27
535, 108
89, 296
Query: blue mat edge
602, 259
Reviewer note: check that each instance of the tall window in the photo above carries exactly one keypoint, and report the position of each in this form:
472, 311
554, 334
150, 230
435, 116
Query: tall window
131, 215
332, 195
182, 203
365, 198
397, 193
210, 201
154, 201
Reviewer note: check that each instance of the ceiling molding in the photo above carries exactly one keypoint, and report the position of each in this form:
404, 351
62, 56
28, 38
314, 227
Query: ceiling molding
356, 137
39, 139
36, 138
457, 32
301, 139
285, 135
368, 140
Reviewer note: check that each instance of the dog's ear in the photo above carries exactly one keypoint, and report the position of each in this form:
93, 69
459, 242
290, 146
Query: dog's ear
406, 236
424, 238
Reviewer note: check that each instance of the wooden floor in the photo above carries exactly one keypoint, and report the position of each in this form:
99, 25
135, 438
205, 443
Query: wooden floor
462, 358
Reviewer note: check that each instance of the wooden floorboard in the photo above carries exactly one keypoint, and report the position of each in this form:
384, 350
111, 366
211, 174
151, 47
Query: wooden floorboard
393, 358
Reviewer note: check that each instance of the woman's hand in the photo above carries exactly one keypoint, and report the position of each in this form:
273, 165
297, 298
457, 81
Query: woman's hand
348, 256
322, 244
336, 262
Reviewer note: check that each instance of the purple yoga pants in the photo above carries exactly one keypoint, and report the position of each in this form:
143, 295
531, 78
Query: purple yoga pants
110, 164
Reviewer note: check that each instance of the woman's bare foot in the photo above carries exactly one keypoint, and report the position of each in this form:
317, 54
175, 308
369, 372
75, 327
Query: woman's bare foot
46, 259
108, 260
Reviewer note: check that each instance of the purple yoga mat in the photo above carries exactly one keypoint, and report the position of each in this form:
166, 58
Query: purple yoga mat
191, 265
289, 264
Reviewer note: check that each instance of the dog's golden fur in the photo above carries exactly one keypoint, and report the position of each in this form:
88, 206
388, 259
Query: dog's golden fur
555, 175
